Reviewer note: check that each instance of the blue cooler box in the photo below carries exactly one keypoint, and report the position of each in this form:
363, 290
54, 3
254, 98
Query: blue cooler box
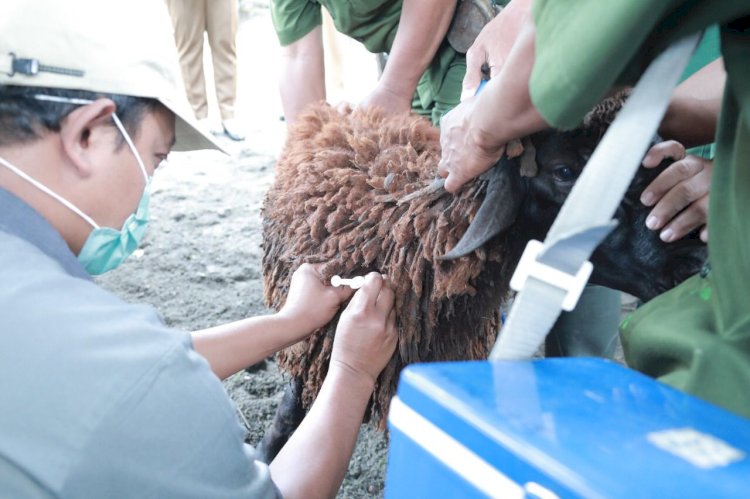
558, 428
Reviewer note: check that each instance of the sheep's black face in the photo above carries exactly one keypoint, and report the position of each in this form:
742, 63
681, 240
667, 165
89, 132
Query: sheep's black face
632, 258
635, 259
560, 158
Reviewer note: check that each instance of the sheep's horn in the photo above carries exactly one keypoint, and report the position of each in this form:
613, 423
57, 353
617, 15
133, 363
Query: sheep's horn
498, 210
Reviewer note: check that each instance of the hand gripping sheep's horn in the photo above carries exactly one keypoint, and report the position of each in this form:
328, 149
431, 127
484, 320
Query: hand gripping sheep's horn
500, 207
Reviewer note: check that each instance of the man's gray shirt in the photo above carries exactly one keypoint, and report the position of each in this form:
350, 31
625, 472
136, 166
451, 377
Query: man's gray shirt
99, 397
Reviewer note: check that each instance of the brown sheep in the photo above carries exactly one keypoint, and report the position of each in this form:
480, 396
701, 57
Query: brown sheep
358, 189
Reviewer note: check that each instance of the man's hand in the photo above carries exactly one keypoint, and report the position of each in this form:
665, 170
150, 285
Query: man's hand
312, 463
366, 334
467, 150
474, 134
679, 194
421, 29
493, 44
311, 303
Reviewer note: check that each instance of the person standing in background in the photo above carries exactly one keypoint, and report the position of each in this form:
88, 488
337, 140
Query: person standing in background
218, 19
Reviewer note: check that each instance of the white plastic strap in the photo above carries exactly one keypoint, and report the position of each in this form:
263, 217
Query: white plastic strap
529, 266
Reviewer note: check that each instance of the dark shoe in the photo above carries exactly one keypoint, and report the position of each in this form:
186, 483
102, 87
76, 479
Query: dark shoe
233, 130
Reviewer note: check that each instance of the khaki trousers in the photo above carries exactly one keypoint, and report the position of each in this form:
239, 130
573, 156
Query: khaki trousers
217, 18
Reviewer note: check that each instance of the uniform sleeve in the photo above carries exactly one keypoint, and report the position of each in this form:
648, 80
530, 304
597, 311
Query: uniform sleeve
175, 434
293, 19
584, 47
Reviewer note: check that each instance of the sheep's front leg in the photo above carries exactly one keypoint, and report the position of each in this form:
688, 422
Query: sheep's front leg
288, 416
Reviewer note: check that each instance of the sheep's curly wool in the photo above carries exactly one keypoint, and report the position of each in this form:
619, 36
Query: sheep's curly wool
354, 188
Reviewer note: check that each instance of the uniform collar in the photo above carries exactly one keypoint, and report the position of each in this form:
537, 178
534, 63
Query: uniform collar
21, 220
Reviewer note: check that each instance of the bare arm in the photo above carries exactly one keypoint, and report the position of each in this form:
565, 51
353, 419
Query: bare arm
313, 463
694, 108
302, 79
310, 304
422, 27
234, 346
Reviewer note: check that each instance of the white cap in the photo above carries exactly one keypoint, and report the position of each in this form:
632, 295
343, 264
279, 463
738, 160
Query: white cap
102, 46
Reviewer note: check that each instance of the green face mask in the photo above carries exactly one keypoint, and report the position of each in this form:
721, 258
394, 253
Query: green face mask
105, 248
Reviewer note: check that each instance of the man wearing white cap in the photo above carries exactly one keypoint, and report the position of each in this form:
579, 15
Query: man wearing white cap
100, 398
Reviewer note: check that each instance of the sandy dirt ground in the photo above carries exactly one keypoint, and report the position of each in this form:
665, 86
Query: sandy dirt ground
199, 264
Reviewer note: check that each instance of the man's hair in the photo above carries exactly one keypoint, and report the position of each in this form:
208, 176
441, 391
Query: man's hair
24, 118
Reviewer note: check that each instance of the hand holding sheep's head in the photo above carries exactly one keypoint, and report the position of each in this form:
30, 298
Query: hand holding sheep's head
632, 258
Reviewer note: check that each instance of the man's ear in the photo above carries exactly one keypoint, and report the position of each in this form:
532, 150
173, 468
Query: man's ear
82, 133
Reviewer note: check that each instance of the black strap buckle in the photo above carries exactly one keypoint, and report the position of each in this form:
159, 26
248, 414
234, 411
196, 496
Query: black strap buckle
32, 67
28, 67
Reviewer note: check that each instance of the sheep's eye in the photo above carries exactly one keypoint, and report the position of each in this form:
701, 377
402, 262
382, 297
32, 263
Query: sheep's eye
564, 173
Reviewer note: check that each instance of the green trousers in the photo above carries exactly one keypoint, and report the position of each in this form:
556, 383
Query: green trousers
439, 89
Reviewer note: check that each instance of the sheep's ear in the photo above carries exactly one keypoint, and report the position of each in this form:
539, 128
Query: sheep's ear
498, 211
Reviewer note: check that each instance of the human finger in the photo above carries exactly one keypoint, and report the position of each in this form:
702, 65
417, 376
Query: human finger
690, 219
310, 268
673, 176
470, 165
455, 180
663, 150
475, 57
343, 293
366, 297
385, 299
679, 198
314, 271
443, 168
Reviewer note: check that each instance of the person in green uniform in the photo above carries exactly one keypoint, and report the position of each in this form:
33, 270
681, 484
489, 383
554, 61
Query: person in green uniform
423, 72
695, 337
